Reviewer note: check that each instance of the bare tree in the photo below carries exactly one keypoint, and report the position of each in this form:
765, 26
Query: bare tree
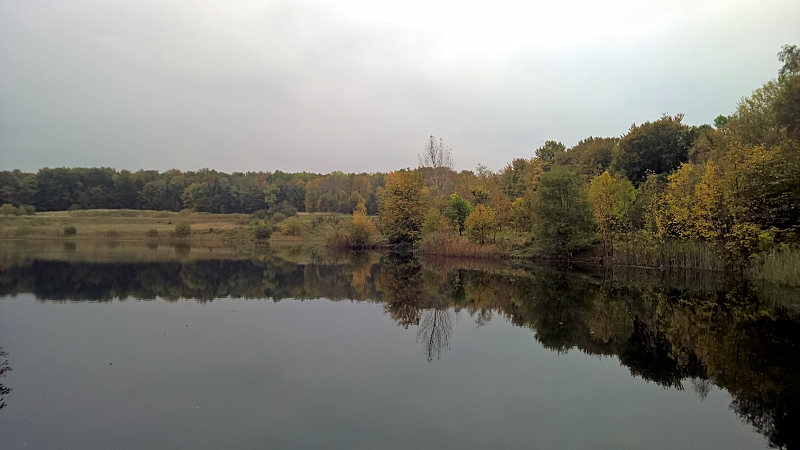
434, 332
436, 155
437, 160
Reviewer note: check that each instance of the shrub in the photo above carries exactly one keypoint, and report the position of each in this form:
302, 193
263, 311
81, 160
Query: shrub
361, 232
153, 233
27, 210
74, 207
292, 227
6, 209
70, 230
263, 230
183, 229
261, 214
337, 236
278, 217
282, 208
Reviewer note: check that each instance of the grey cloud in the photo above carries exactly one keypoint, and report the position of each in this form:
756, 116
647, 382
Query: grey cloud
303, 86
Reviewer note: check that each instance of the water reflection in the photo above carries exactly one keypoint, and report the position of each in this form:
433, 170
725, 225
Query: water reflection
435, 329
4, 367
677, 330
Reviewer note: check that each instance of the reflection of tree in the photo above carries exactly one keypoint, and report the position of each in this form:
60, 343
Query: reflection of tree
4, 367
435, 329
668, 328
401, 283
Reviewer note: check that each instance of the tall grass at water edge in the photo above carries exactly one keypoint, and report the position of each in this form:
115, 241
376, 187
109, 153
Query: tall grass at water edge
448, 244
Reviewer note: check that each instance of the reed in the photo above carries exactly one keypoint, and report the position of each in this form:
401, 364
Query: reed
642, 251
447, 244
780, 267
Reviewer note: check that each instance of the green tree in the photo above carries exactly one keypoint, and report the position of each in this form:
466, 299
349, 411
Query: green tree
787, 103
433, 222
591, 156
721, 120
550, 151
563, 222
197, 196
658, 147
457, 211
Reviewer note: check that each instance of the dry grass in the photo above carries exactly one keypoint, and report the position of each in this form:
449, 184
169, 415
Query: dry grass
446, 244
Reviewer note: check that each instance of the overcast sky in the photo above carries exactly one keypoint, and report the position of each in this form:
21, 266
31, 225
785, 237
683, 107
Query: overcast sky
359, 85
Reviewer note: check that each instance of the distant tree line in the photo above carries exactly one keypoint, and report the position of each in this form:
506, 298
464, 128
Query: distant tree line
61, 189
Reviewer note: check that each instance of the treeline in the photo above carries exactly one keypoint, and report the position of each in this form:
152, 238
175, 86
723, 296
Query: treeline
205, 190
733, 187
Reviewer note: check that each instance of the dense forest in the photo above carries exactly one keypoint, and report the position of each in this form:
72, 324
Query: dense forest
733, 186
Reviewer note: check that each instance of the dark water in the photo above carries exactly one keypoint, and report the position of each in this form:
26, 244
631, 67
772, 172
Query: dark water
371, 351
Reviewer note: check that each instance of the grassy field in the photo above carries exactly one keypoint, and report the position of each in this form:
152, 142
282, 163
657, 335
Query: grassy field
118, 224
135, 225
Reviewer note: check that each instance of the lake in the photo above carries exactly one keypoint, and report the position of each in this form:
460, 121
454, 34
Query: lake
127, 345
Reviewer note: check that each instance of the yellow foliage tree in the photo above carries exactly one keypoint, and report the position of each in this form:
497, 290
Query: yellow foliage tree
402, 207
611, 199
362, 231
480, 224
709, 209
679, 200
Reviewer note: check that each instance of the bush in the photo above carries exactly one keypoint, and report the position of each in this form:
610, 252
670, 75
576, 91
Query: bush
292, 227
361, 233
153, 233
25, 210
282, 208
74, 207
263, 230
183, 229
70, 230
261, 214
6, 209
278, 217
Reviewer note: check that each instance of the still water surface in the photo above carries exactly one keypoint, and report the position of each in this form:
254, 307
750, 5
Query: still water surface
270, 350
